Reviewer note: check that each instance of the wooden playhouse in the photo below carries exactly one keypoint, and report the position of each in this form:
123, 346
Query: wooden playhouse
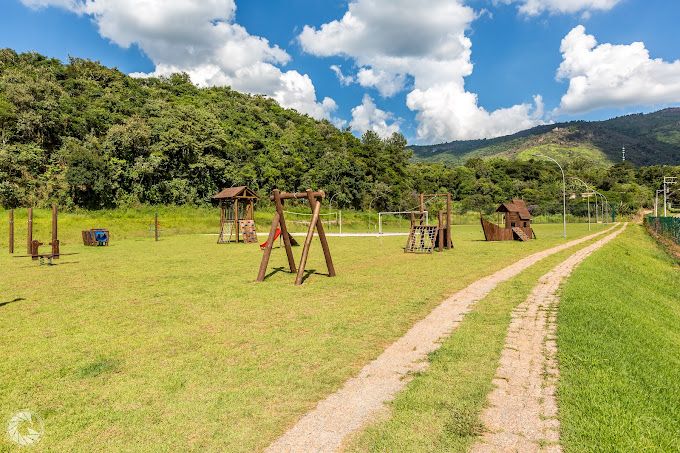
237, 215
516, 223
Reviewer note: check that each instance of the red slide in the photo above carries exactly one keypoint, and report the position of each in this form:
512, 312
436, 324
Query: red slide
276, 236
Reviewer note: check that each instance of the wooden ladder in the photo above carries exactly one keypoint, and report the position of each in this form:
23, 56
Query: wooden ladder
520, 234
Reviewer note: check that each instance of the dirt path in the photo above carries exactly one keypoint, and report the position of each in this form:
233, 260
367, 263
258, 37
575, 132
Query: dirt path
324, 428
522, 412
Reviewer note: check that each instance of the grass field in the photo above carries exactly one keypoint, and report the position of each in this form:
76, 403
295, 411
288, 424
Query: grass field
439, 410
619, 350
172, 346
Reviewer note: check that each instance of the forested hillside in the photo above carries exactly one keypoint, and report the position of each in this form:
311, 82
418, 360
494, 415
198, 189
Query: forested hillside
87, 136
650, 139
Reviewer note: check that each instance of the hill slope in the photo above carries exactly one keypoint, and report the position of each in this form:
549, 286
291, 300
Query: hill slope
649, 139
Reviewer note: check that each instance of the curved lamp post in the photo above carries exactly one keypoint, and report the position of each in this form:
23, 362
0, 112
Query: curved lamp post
564, 193
587, 188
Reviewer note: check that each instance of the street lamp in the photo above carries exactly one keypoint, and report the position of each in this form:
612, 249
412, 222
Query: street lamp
588, 194
605, 200
564, 193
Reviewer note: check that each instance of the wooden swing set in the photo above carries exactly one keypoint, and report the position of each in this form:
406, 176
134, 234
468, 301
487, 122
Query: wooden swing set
279, 226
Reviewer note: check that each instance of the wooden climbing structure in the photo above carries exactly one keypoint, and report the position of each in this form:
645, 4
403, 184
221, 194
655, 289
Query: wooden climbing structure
516, 223
279, 228
237, 215
426, 238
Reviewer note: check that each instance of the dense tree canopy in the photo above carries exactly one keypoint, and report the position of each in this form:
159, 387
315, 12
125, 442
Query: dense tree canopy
87, 136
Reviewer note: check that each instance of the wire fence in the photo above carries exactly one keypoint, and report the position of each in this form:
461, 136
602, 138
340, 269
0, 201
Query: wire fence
665, 226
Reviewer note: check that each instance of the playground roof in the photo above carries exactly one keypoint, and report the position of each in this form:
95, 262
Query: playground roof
236, 192
516, 205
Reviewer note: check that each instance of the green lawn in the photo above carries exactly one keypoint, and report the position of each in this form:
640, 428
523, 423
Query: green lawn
619, 350
439, 410
172, 346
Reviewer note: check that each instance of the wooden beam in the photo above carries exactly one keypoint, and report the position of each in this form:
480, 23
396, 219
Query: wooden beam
284, 230
268, 249
289, 196
308, 241
322, 237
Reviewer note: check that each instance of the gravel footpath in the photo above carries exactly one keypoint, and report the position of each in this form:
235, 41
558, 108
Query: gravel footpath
522, 412
324, 428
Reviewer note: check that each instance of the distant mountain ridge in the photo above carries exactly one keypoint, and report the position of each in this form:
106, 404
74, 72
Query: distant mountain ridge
650, 139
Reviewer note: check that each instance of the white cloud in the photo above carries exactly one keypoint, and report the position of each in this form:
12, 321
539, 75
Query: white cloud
344, 79
390, 40
368, 117
202, 39
536, 7
608, 75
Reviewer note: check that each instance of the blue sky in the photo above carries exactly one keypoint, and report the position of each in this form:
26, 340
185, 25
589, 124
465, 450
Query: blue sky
515, 52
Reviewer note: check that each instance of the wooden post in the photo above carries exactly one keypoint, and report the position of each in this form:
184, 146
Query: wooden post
223, 220
236, 224
55, 232
29, 233
322, 238
268, 250
421, 203
440, 238
155, 226
11, 231
284, 230
308, 242
449, 233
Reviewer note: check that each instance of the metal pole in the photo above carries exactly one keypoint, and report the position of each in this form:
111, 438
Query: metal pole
665, 197
340, 214
588, 212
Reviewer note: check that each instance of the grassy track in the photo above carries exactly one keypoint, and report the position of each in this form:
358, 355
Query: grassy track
619, 350
171, 346
439, 410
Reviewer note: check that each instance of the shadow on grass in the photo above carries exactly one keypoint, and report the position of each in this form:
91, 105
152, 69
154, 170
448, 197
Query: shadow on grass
308, 273
18, 299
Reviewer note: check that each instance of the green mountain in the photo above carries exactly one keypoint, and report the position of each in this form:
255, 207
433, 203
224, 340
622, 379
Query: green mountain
649, 139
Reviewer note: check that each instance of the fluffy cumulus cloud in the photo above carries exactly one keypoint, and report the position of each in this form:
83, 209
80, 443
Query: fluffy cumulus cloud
368, 117
536, 7
421, 47
607, 75
203, 40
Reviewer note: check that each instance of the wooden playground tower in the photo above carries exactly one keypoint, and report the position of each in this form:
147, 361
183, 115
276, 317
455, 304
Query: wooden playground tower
424, 238
279, 228
517, 221
237, 210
